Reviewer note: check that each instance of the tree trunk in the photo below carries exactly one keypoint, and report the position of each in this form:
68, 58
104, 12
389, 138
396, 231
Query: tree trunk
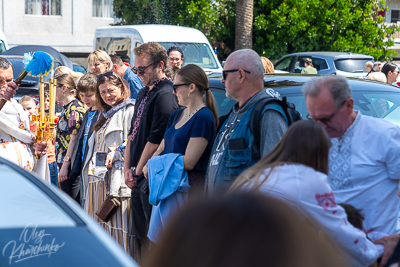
244, 24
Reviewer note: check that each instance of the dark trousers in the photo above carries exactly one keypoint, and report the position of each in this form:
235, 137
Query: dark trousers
72, 187
141, 212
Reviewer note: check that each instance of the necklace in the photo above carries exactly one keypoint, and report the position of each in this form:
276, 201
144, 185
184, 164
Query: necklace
194, 112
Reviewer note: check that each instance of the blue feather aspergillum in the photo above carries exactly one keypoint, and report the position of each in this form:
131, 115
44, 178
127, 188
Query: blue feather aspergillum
38, 64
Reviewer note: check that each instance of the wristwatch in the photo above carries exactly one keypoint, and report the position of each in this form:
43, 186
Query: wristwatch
66, 159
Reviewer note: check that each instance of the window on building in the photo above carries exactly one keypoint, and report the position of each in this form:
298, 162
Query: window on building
103, 8
395, 16
43, 7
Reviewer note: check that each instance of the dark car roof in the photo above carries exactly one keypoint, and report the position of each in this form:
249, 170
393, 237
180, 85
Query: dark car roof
292, 83
21, 49
332, 54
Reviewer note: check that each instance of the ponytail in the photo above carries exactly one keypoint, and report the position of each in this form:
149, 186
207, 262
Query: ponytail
210, 103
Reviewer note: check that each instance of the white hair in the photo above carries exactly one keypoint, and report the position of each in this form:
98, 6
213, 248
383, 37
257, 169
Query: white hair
249, 60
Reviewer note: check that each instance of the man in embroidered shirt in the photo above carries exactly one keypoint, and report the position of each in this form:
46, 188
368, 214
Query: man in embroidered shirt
364, 160
154, 105
15, 136
134, 82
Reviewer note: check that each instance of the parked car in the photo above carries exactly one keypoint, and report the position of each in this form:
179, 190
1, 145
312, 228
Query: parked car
371, 98
42, 226
330, 63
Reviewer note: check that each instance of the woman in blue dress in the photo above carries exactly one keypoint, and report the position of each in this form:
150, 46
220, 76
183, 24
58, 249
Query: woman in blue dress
191, 129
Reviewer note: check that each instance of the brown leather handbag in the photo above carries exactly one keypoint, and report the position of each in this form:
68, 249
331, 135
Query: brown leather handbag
108, 208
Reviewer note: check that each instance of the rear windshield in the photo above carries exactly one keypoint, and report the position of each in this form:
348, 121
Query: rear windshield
351, 64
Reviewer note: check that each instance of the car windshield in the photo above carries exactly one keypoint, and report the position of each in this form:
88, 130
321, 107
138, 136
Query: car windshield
352, 65
195, 53
116, 46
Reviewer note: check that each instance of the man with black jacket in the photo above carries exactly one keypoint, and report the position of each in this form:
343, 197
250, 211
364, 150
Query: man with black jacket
154, 105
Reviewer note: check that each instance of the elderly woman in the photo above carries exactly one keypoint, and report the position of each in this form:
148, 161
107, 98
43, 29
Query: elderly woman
102, 173
99, 62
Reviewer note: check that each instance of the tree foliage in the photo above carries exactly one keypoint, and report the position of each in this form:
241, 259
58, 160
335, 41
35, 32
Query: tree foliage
280, 26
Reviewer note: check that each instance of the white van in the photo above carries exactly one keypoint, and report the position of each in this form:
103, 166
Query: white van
3, 42
121, 40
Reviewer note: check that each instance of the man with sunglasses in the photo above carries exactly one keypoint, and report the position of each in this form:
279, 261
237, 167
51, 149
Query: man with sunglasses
154, 105
364, 160
232, 153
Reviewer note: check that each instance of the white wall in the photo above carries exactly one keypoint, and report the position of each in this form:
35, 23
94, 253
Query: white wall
72, 32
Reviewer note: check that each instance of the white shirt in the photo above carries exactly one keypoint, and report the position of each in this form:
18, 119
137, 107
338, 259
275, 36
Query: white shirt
308, 191
364, 169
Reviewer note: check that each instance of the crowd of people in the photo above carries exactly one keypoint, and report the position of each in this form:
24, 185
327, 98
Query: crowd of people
195, 189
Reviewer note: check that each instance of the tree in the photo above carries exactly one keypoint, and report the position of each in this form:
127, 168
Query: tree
288, 26
244, 24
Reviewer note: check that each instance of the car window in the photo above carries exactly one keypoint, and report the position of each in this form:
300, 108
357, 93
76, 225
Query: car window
24, 203
351, 65
224, 104
284, 64
319, 63
115, 46
2, 46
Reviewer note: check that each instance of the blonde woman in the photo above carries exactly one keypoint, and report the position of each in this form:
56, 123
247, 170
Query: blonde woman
99, 62
268, 66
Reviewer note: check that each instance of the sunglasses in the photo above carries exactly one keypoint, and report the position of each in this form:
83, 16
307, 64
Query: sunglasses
140, 70
107, 74
328, 118
225, 72
174, 59
176, 85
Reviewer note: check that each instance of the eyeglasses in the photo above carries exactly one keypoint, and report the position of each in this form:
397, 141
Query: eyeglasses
107, 74
176, 85
140, 70
225, 72
174, 59
328, 118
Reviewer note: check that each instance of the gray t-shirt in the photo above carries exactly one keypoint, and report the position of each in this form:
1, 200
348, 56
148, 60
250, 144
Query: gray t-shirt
273, 126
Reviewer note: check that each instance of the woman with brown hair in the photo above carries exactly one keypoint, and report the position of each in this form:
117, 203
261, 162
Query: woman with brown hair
102, 172
296, 172
67, 129
309, 67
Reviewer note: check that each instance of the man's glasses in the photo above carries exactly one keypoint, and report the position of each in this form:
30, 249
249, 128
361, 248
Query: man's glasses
328, 118
174, 59
107, 74
140, 70
225, 72
177, 85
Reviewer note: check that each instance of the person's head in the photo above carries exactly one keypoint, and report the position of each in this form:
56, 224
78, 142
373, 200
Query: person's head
99, 62
369, 66
308, 62
305, 142
377, 66
354, 216
6, 74
111, 90
86, 88
268, 66
329, 102
243, 75
391, 71
190, 84
150, 62
63, 69
29, 105
65, 87
377, 76
241, 230
118, 65
175, 56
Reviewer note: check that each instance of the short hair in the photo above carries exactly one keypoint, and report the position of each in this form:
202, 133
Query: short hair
354, 216
156, 51
175, 48
5, 63
337, 85
117, 60
26, 98
268, 66
369, 64
249, 60
87, 83
388, 67
101, 56
377, 76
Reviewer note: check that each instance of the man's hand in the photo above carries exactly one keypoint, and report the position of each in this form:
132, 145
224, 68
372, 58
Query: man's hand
8, 92
130, 181
40, 148
389, 242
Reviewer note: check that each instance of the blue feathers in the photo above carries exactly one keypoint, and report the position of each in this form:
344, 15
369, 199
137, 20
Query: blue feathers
38, 64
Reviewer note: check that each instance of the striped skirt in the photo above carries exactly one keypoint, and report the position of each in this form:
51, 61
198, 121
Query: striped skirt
120, 224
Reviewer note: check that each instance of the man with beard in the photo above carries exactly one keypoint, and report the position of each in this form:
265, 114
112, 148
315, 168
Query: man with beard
154, 105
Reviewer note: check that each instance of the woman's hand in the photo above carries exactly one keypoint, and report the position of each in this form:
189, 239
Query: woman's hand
63, 174
108, 161
146, 172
